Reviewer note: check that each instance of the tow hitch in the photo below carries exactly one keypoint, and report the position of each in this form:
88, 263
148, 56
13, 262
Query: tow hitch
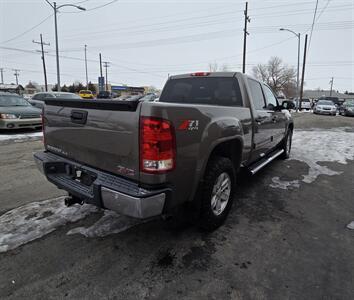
71, 200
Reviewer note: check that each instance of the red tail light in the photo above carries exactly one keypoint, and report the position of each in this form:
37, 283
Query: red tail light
42, 115
201, 74
157, 145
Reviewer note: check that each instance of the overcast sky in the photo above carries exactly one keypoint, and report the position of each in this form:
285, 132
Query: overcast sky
146, 40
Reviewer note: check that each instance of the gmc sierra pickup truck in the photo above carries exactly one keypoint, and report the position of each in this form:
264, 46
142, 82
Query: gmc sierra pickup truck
144, 159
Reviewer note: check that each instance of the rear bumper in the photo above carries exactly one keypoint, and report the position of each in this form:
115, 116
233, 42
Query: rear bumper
326, 112
20, 123
103, 189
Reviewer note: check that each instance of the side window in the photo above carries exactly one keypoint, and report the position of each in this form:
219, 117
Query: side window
256, 94
270, 98
38, 97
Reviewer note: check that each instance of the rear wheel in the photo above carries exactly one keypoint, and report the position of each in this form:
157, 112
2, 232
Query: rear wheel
217, 193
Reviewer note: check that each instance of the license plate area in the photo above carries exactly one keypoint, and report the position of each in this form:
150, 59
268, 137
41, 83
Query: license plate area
80, 175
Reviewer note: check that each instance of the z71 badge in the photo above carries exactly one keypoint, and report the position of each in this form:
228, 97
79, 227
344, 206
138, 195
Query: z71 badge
189, 125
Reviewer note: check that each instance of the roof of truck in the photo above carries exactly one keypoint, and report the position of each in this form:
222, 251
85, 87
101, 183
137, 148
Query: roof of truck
204, 74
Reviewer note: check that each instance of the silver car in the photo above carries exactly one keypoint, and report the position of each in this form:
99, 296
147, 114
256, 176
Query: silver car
325, 107
16, 113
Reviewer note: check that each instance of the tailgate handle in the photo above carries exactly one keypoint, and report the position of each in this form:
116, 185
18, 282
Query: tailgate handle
78, 116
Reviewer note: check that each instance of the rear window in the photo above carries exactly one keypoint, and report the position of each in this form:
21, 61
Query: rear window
203, 90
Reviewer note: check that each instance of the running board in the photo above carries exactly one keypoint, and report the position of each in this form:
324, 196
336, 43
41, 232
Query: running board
262, 163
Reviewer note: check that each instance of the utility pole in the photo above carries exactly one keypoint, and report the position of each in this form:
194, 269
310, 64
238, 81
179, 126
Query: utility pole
56, 8
100, 85
2, 75
43, 60
106, 65
86, 66
331, 82
245, 33
303, 70
101, 65
16, 74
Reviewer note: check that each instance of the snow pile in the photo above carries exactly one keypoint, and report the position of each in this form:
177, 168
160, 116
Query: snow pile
110, 223
20, 136
312, 147
32, 221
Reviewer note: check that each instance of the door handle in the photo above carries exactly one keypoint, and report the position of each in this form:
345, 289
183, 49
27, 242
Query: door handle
78, 116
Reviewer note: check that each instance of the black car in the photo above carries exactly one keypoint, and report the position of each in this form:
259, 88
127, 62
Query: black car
106, 95
347, 109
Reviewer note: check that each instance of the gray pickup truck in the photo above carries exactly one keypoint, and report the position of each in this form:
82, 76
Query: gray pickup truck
183, 153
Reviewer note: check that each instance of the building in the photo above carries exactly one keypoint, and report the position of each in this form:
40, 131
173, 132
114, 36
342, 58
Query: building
315, 94
12, 88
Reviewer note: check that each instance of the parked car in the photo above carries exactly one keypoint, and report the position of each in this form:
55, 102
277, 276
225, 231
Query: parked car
305, 104
86, 94
105, 95
149, 97
178, 156
325, 107
38, 99
347, 109
335, 100
16, 112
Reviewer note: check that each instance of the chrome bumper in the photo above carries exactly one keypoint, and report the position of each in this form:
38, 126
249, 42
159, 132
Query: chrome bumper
106, 191
140, 208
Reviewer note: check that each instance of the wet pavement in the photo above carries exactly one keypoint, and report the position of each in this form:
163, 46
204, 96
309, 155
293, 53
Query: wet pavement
286, 237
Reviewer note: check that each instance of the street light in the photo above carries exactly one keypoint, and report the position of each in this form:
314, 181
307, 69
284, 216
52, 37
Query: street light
55, 8
298, 64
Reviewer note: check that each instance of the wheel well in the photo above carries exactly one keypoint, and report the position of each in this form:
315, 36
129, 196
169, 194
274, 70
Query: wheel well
231, 149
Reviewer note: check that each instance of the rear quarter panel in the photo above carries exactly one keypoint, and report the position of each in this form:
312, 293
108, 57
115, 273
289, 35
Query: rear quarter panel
210, 125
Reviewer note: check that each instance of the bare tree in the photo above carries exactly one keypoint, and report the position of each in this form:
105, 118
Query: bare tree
225, 68
213, 67
279, 76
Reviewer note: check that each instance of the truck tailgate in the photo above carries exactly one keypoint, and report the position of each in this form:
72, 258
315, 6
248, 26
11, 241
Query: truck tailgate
99, 133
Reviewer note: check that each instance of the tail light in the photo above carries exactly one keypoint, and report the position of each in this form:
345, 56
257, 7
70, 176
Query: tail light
42, 116
157, 145
200, 74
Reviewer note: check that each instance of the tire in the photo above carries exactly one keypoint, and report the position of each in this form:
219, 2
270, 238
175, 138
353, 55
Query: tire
215, 203
286, 144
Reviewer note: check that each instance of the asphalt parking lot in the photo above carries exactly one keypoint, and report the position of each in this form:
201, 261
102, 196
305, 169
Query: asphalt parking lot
286, 237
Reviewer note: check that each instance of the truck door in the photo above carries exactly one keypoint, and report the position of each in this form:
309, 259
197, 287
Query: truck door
278, 117
263, 122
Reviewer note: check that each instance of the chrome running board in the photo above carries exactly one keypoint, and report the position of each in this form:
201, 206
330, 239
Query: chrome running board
254, 169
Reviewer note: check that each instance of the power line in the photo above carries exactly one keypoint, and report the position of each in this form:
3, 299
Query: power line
27, 31
313, 24
93, 8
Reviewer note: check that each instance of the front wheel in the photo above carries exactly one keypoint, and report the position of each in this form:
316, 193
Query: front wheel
217, 193
286, 145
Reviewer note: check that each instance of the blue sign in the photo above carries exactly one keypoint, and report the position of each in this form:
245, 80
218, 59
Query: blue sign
119, 88
101, 83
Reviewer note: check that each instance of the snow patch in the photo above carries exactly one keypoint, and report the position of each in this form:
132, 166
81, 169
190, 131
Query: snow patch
21, 136
312, 147
284, 185
351, 225
32, 221
110, 223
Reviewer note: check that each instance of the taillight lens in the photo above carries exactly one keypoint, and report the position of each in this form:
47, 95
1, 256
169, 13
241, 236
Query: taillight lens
42, 115
157, 145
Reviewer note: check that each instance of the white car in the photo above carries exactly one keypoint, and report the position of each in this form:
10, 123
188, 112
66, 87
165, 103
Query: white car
305, 104
326, 107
